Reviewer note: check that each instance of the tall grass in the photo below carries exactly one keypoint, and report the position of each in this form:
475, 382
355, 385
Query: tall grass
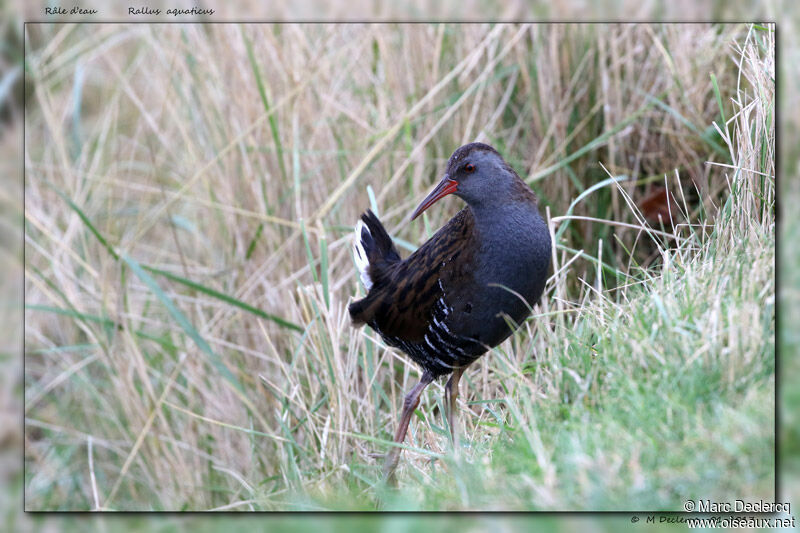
190, 196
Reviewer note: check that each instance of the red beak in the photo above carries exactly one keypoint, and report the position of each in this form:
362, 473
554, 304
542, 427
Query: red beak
445, 187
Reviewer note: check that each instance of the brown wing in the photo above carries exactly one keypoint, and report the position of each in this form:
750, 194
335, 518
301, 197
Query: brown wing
402, 306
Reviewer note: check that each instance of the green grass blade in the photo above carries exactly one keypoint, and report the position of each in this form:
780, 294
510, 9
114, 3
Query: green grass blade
719, 99
86, 317
373, 203
683, 120
309, 254
591, 145
182, 321
252, 246
85, 219
262, 91
584, 194
226, 298
323, 267
103, 321
183, 281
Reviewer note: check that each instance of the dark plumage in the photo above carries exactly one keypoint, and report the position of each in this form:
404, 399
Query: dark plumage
465, 290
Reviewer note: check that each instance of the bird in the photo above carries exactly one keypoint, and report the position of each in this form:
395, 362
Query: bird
466, 289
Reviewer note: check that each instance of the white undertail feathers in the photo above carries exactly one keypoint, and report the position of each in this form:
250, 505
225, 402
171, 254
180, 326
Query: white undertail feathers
360, 255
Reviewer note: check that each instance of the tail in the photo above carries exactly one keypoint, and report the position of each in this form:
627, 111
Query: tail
374, 253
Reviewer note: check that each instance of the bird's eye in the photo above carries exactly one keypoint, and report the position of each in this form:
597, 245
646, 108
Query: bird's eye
469, 168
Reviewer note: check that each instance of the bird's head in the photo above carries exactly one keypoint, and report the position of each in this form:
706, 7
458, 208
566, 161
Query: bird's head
477, 174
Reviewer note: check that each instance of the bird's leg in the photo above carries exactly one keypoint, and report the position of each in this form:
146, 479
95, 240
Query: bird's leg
409, 404
450, 397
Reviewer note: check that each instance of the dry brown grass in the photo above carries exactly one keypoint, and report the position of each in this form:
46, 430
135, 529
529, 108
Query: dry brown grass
238, 157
